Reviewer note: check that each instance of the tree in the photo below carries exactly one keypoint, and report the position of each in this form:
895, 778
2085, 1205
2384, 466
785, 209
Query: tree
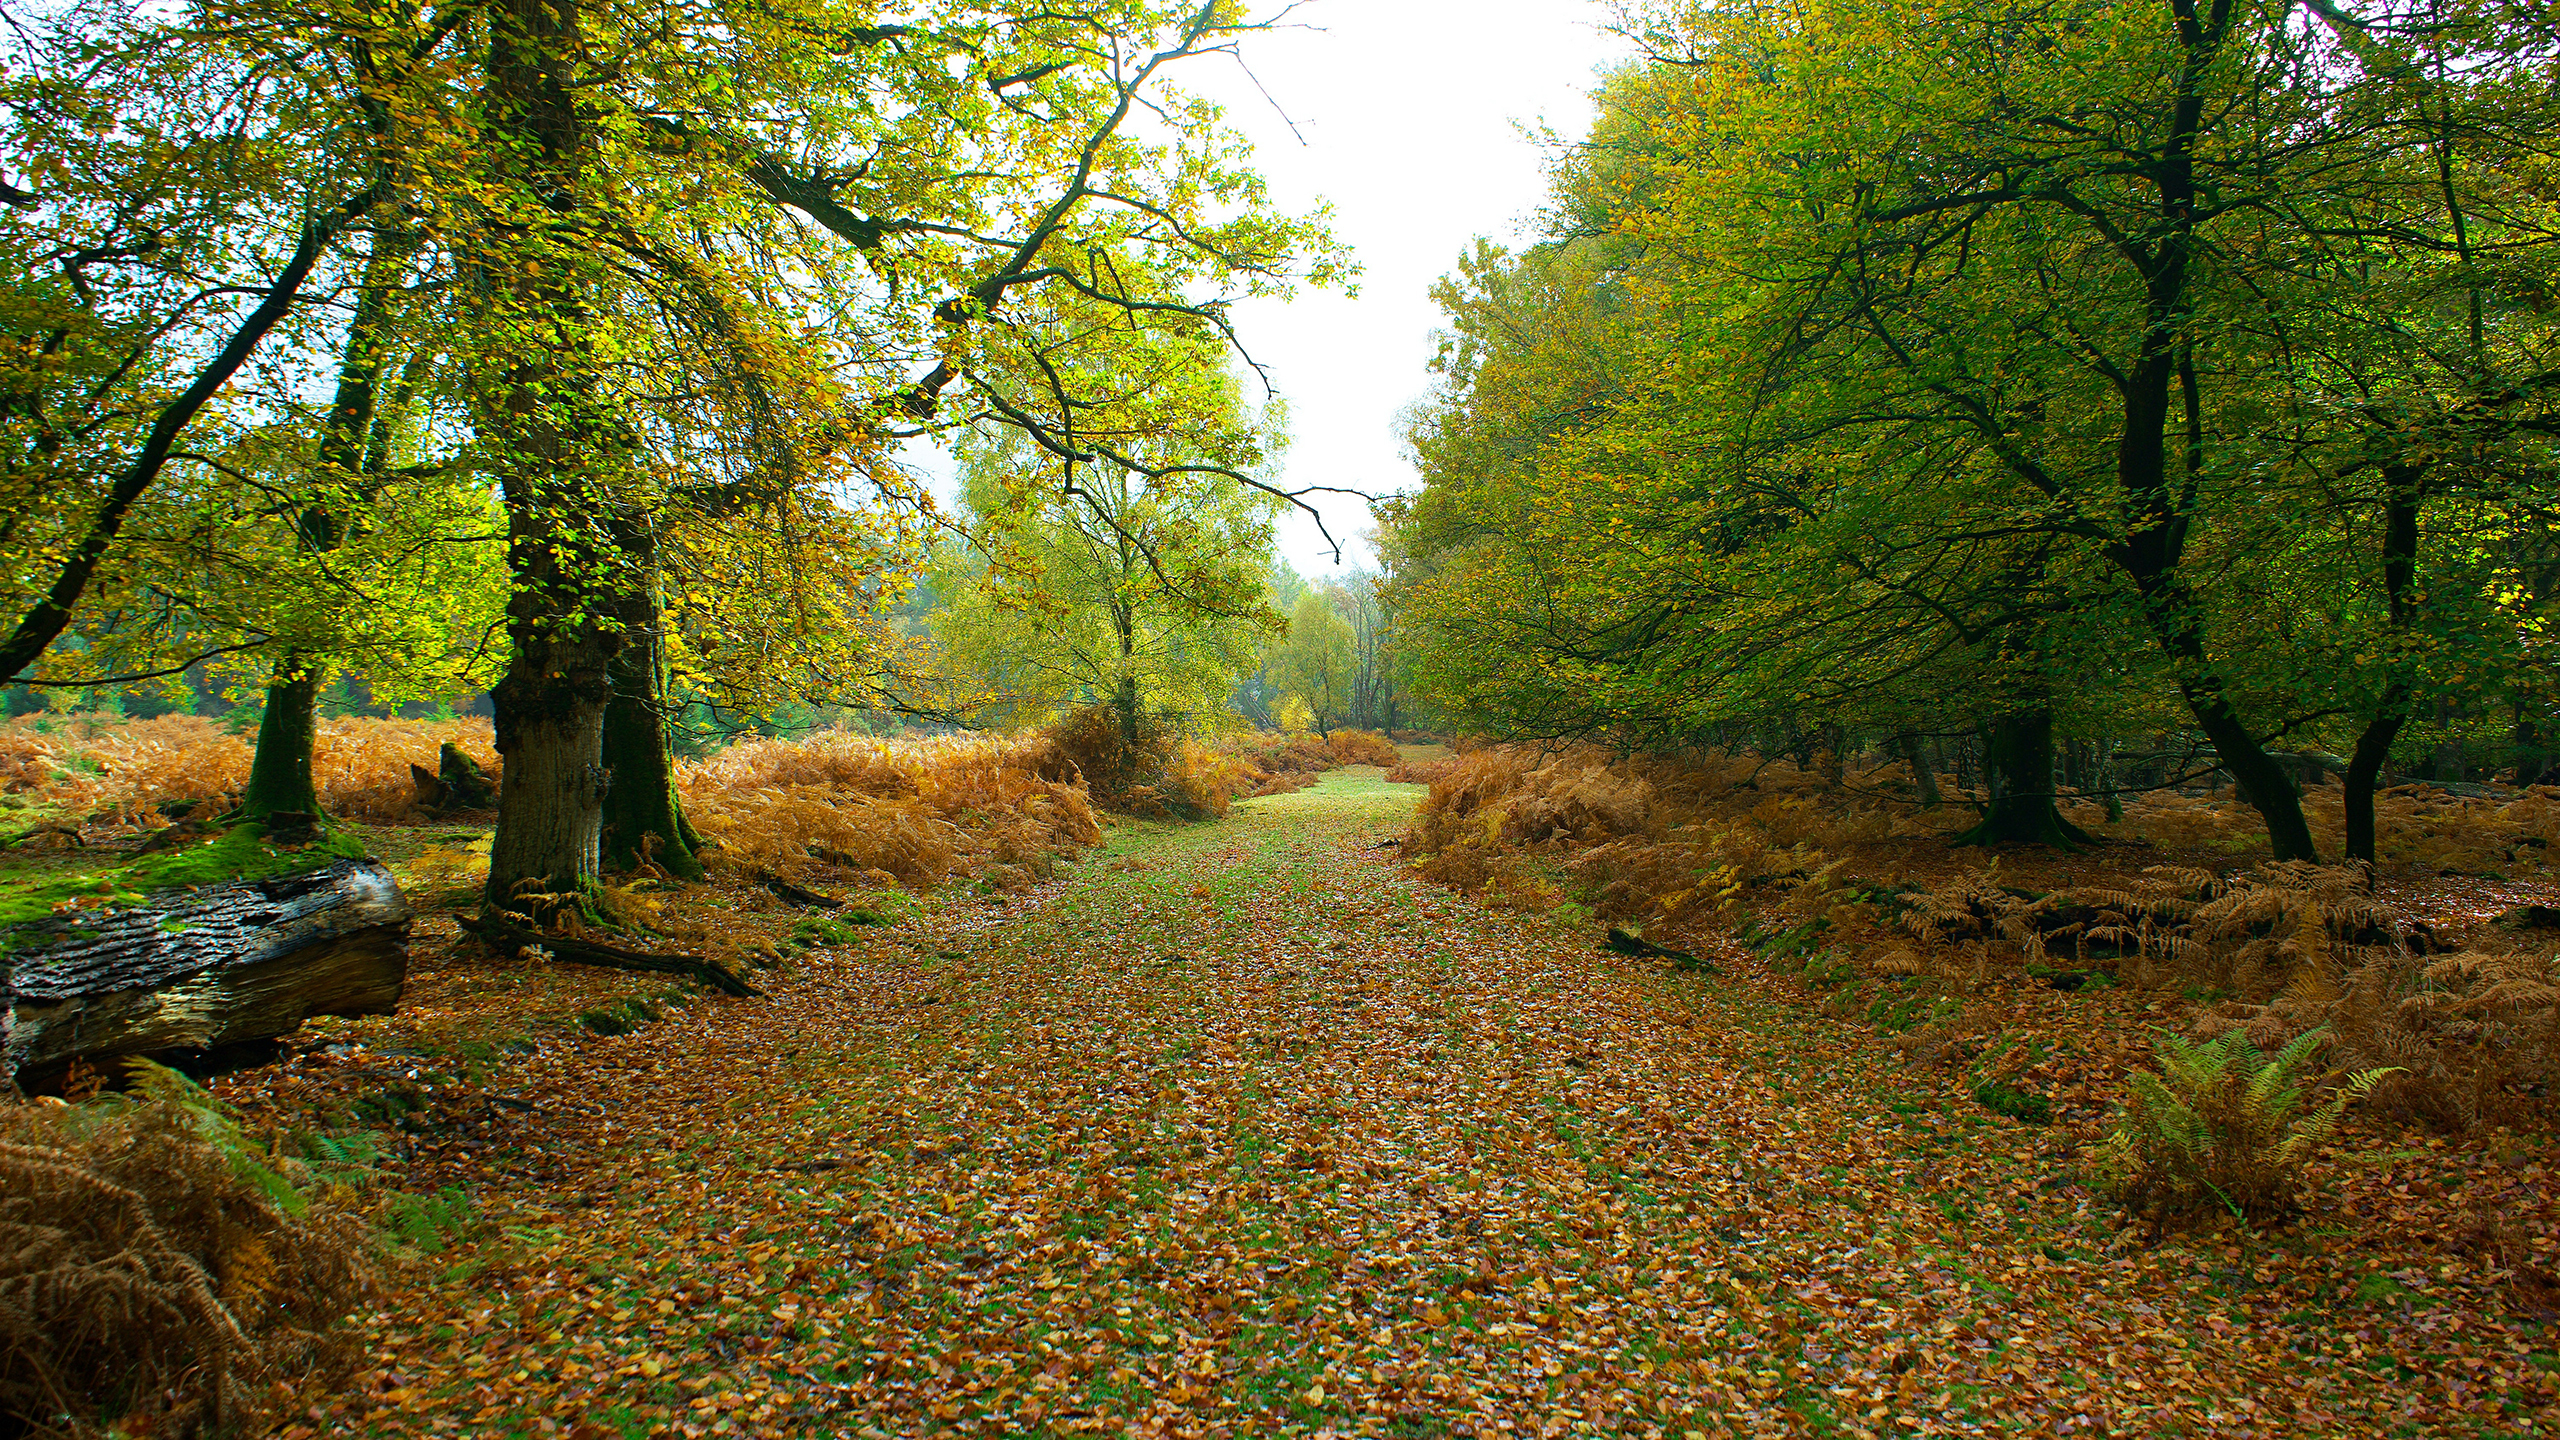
2017, 364
1009, 209
1376, 680
154, 259
640, 218
1257, 696
2049, 239
240, 526
1316, 664
1141, 594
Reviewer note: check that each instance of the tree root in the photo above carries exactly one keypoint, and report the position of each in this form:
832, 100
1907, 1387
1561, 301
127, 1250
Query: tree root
512, 939
2016, 827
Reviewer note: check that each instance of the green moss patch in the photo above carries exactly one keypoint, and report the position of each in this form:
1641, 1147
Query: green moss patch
30, 891
2001, 1098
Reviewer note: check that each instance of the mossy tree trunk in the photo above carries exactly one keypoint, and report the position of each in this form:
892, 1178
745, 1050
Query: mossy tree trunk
555, 444
2017, 754
280, 770
643, 818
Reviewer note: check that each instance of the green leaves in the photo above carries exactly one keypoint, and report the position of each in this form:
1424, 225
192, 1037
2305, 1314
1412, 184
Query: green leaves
1890, 361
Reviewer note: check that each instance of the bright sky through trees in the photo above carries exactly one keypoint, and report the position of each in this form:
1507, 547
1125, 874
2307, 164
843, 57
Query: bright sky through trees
1411, 113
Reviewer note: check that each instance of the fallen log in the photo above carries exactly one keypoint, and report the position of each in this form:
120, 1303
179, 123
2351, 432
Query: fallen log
1627, 942
802, 895
201, 968
517, 940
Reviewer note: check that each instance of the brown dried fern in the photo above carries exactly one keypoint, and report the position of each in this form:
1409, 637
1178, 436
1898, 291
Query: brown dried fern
149, 1282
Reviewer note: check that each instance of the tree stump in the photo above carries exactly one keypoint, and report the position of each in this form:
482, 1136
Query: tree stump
457, 783
201, 969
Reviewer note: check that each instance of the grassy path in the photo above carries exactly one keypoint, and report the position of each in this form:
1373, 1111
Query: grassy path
1245, 1131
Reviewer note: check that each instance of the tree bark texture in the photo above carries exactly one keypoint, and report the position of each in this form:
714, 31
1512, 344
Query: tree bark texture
643, 818
551, 790
193, 970
2018, 771
551, 438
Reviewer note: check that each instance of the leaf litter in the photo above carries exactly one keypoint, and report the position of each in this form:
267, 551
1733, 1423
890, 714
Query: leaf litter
1245, 1129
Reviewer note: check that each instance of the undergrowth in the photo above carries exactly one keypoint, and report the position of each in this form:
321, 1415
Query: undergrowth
158, 1273
2222, 1128
122, 772
2466, 1029
913, 812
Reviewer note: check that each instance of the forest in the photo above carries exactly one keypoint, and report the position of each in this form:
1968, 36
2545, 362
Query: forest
669, 769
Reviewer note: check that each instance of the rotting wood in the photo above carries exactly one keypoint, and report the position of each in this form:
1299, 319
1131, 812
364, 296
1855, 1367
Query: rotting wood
202, 968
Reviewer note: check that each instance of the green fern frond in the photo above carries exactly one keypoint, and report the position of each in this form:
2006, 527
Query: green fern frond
212, 1122
2315, 1129
2295, 1055
2219, 1127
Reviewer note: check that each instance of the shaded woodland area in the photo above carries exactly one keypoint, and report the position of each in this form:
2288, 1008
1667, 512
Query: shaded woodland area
663, 776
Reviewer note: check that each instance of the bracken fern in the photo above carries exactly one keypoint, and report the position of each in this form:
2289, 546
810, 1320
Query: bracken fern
2221, 1129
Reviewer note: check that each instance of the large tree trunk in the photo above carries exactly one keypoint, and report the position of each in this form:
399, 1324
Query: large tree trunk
2402, 494
2260, 780
2373, 747
550, 726
202, 969
643, 819
2105, 750
2160, 379
554, 444
2150, 558
1924, 775
2018, 766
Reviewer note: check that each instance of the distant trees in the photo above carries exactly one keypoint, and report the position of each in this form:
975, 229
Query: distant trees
2101, 370
1141, 594
1337, 664
1312, 664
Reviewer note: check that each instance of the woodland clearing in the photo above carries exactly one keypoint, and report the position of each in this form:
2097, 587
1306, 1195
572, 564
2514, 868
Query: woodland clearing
1693, 1056
1247, 1129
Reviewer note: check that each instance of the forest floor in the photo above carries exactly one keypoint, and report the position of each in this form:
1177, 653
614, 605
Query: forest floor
1244, 1129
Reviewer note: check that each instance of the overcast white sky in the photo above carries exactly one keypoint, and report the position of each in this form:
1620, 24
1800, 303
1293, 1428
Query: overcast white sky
1412, 114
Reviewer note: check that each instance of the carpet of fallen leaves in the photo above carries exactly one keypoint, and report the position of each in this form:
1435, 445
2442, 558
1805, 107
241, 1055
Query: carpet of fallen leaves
1243, 1129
